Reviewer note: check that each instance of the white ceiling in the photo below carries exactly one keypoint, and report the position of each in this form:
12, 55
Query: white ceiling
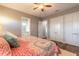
28, 8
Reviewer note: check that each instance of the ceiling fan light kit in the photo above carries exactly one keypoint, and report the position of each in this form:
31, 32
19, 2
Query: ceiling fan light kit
41, 6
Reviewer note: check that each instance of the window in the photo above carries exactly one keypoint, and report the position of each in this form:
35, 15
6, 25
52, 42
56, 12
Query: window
25, 26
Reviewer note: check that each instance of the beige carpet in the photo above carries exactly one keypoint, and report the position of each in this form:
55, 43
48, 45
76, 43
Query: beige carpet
66, 53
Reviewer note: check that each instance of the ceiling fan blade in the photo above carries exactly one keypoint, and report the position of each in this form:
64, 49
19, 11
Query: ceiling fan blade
42, 10
37, 3
35, 8
48, 5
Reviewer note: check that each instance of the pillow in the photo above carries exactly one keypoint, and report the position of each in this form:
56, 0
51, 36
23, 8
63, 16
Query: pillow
11, 39
4, 48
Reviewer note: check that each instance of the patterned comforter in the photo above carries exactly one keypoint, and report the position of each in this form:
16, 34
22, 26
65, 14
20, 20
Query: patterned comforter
33, 46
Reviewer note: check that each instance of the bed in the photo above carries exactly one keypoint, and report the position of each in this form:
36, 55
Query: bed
30, 46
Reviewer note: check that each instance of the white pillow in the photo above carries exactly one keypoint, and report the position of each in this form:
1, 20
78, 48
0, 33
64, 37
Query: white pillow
11, 34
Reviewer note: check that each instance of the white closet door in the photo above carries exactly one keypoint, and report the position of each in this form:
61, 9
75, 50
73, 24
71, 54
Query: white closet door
78, 24
56, 29
52, 29
70, 23
75, 28
77, 17
59, 29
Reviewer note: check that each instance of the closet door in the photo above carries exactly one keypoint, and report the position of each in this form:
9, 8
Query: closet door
52, 29
56, 29
77, 17
59, 29
71, 29
76, 28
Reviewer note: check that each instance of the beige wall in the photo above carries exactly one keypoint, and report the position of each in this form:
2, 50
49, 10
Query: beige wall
15, 17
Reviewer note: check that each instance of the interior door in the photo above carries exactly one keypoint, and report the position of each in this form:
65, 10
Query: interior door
71, 29
40, 29
43, 29
56, 29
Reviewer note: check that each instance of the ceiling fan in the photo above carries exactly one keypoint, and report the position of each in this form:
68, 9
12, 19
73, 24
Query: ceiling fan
41, 6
